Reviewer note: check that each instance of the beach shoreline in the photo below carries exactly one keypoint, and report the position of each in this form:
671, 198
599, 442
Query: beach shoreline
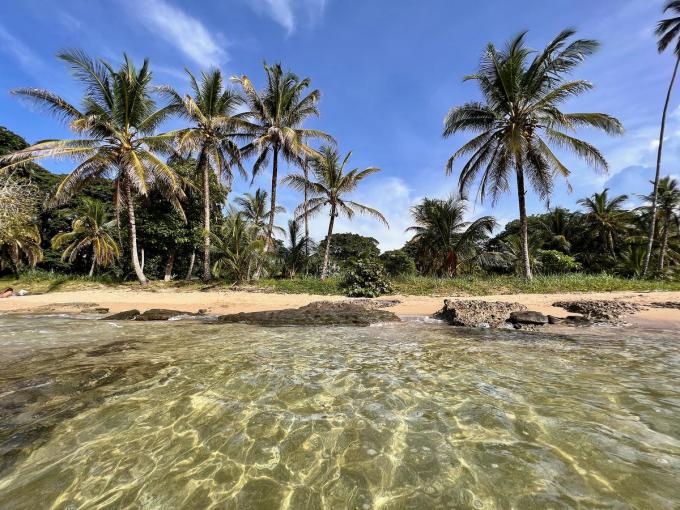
228, 301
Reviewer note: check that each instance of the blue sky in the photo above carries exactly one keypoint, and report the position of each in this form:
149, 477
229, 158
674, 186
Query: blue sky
388, 71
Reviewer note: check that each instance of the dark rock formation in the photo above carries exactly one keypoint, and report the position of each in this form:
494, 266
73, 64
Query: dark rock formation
375, 303
321, 313
601, 310
127, 315
472, 313
161, 314
666, 304
528, 317
570, 320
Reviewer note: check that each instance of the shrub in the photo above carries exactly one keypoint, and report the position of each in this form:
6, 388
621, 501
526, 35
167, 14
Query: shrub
398, 263
365, 278
556, 262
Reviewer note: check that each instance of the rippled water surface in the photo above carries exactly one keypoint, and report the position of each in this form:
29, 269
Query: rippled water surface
191, 415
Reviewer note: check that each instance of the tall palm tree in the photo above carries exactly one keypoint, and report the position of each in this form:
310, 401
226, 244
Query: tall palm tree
668, 31
607, 217
254, 210
330, 188
520, 118
667, 209
20, 244
91, 230
117, 123
212, 112
276, 115
443, 236
557, 226
294, 255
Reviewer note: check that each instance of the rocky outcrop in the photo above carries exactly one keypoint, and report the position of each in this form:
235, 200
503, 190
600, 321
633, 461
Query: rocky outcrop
666, 304
474, 313
528, 317
127, 315
374, 303
320, 313
601, 310
153, 314
570, 320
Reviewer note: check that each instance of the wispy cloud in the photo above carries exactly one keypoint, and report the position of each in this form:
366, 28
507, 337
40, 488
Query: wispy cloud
184, 32
16, 48
288, 13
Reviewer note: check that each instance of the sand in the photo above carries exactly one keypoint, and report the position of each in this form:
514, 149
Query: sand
219, 302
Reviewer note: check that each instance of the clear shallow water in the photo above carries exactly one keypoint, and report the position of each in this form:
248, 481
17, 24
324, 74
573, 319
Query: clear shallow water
190, 415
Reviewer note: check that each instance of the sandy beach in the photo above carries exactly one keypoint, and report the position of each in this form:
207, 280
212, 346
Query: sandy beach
220, 302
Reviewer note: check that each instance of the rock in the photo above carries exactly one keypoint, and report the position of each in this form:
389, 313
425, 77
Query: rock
555, 320
127, 315
202, 311
320, 313
472, 313
528, 317
161, 314
96, 309
577, 320
601, 310
666, 304
374, 303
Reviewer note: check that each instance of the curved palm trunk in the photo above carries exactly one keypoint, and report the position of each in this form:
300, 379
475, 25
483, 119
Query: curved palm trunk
203, 162
272, 208
133, 234
168, 266
523, 224
611, 244
306, 218
664, 241
91, 273
652, 221
190, 271
326, 255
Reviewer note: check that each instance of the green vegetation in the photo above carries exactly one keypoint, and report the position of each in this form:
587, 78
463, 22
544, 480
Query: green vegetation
142, 203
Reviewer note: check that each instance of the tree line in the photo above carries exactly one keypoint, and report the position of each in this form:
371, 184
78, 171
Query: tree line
131, 177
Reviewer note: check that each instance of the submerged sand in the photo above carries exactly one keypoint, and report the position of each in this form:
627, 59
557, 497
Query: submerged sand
220, 302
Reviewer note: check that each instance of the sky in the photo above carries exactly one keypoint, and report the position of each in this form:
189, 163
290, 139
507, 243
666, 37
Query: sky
388, 72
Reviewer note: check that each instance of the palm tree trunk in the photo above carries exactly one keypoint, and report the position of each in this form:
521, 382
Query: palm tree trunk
306, 218
652, 221
327, 252
203, 161
133, 234
192, 259
272, 208
91, 273
523, 224
168, 266
610, 238
664, 241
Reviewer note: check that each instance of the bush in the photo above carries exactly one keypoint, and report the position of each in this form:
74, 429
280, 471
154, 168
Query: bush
398, 263
365, 278
556, 262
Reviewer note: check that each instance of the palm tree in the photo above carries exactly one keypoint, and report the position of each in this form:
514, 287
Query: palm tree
90, 230
667, 208
520, 118
331, 186
668, 31
236, 248
443, 236
276, 115
117, 123
607, 217
557, 225
19, 244
254, 210
212, 113
295, 254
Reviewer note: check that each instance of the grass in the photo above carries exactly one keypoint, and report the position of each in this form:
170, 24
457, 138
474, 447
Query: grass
42, 281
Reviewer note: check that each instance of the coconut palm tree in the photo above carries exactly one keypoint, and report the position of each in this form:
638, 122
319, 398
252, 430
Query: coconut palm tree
668, 31
607, 217
117, 123
276, 115
91, 230
668, 210
557, 226
294, 255
19, 245
212, 112
254, 210
442, 235
520, 119
330, 188
235, 248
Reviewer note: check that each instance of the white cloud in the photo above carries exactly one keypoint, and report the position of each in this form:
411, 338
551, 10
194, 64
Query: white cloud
183, 31
287, 13
22, 53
